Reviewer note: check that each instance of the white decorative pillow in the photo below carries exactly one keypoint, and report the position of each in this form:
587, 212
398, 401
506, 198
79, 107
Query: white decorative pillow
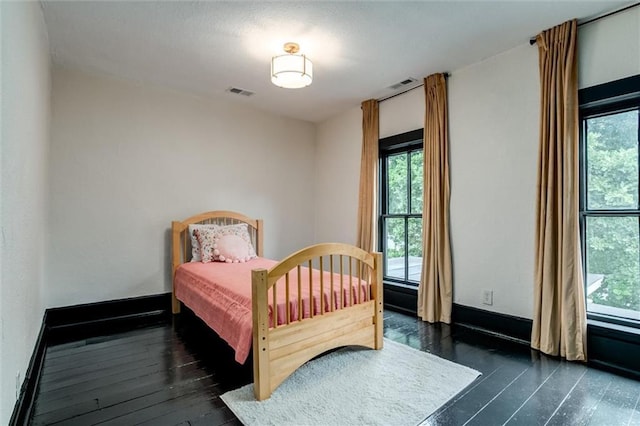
195, 244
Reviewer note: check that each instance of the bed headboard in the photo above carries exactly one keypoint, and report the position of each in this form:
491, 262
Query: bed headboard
181, 241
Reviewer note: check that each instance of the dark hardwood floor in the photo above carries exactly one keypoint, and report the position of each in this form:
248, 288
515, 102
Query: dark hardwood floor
173, 374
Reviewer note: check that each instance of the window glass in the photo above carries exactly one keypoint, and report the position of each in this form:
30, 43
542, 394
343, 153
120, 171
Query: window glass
397, 183
415, 248
609, 206
613, 265
401, 194
395, 248
612, 159
416, 181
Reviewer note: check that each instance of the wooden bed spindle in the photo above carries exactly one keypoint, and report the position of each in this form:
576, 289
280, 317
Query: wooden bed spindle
274, 295
312, 305
331, 295
300, 312
341, 282
287, 298
350, 282
321, 286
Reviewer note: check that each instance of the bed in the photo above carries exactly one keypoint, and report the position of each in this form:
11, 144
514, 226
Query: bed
320, 298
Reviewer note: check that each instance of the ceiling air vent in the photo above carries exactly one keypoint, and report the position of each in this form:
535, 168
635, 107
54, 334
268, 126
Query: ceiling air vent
404, 83
238, 91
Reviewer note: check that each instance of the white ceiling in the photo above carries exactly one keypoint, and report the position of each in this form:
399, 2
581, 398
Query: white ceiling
358, 49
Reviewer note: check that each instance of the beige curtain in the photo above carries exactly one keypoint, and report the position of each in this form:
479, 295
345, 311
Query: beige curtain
435, 290
368, 176
559, 323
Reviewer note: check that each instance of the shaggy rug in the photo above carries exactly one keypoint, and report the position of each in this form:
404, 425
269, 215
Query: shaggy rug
397, 385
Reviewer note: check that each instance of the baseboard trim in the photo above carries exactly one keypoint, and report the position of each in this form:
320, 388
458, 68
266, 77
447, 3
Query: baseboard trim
81, 321
24, 405
495, 323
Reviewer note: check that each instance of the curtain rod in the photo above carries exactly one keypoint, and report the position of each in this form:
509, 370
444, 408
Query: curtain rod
386, 98
532, 40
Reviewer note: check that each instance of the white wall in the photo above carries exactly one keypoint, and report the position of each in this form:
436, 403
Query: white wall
24, 197
337, 177
493, 107
126, 160
402, 113
609, 49
493, 117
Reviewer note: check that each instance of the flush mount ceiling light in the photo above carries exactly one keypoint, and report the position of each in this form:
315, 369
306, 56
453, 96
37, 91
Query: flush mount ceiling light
291, 71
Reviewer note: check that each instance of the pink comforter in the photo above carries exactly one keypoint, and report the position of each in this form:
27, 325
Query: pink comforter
220, 294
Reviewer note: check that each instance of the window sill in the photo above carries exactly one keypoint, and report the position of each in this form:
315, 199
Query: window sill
603, 319
618, 315
618, 331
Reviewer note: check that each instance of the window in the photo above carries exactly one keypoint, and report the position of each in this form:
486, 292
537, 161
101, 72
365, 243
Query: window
400, 221
610, 202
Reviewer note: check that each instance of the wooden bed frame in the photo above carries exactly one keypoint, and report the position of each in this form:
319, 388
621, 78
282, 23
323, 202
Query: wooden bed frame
281, 349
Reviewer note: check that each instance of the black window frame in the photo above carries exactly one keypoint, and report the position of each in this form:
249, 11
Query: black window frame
405, 142
601, 100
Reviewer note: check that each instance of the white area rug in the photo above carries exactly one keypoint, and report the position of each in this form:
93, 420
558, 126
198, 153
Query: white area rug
397, 385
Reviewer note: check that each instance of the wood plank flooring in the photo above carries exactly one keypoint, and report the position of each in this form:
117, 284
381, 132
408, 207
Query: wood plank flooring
173, 374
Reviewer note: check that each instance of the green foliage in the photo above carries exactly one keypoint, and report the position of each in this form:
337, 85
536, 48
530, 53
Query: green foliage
417, 190
397, 183
612, 158
613, 243
399, 200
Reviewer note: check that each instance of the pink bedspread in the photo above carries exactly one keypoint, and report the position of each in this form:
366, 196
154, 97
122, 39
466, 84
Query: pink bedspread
220, 294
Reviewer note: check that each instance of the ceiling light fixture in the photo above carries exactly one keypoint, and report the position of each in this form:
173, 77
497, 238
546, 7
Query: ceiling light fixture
291, 71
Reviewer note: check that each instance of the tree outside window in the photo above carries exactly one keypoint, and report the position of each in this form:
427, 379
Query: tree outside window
611, 212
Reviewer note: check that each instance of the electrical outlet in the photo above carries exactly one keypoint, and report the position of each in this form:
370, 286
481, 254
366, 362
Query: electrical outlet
18, 384
487, 297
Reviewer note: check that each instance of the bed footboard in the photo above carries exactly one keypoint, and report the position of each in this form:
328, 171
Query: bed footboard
343, 306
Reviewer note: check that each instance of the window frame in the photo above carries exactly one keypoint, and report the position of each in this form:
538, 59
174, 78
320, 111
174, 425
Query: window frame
602, 100
402, 143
